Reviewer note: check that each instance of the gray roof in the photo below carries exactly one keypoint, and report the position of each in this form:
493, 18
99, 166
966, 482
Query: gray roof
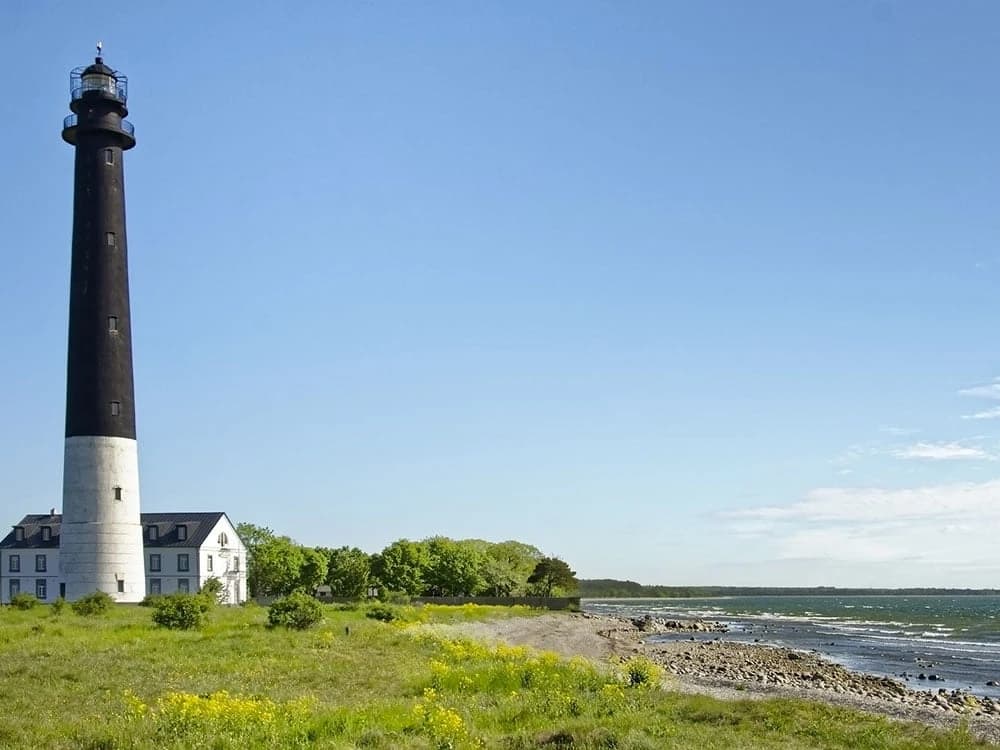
199, 526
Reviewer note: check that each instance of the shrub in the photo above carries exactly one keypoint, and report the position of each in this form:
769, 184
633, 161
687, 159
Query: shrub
24, 600
298, 611
640, 672
212, 590
383, 613
395, 597
58, 606
150, 600
96, 603
180, 611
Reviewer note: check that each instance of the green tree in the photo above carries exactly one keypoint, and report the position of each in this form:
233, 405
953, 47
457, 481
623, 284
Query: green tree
514, 560
275, 567
498, 578
551, 573
453, 569
348, 572
401, 567
312, 572
253, 536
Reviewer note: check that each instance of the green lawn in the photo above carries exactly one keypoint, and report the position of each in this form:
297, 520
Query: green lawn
116, 681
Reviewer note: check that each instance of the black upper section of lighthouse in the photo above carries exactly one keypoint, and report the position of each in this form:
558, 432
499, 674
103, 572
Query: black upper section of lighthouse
99, 388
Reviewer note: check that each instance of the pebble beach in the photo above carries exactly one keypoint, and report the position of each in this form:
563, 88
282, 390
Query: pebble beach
733, 670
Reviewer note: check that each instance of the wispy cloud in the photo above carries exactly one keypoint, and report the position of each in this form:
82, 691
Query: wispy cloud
993, 413
942, 452
986, 390
954, 524
897, 431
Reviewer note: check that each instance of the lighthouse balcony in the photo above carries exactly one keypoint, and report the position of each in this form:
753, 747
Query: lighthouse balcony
72, 125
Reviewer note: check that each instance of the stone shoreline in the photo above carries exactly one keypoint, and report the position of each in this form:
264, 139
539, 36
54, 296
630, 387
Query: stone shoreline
740, 668
741, 671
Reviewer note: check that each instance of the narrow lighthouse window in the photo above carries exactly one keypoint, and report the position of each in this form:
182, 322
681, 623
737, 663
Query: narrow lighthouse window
116, 408
109, 239
109, 156
118, 493
113, 324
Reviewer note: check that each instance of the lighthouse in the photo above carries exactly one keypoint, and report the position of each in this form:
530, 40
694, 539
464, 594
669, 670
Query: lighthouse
100, 545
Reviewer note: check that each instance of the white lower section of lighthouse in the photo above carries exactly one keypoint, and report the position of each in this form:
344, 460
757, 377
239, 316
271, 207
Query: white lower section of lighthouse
100, 545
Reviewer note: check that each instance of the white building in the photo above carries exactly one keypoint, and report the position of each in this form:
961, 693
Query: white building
181, 551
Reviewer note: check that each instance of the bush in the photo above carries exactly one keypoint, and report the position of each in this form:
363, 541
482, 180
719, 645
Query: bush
298, 611
181, 611
58, 606
384, 613
150, 600
24, 600
640, 672
212, 590
96, 603
395, 597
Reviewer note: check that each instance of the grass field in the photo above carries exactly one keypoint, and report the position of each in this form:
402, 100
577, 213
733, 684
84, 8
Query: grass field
116, 681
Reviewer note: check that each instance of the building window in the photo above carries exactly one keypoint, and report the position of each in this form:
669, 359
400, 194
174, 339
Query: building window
14, 563
154, 563
46, 533
39, 563
223, 539
109, 239
41, 588
208, 566
14, 587
113, 323
118, 493
121, 586
154, 585
183, 566
236, 565
116, 408
154, 534
182, 533
18, 533
109, 156
183, 585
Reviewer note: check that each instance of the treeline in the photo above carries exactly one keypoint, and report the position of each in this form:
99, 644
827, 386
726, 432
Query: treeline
610, 588
437, 566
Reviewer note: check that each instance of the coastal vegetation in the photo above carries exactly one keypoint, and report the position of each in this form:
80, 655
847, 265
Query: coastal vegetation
437, 566
119, 681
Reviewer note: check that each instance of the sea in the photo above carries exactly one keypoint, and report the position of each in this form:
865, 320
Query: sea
956, 638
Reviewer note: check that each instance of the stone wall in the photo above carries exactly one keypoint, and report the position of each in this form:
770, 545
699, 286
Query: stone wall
541, 602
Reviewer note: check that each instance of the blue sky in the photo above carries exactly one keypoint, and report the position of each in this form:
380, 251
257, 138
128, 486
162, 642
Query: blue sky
684, 293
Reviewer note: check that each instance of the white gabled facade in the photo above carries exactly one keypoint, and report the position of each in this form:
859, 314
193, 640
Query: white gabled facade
178, 567
181, 551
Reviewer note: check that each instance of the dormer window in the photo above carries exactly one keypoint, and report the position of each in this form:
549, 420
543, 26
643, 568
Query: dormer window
182, 532
46, 533
18, 533
154, 533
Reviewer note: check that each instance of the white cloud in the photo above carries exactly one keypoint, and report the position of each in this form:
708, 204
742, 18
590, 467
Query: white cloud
953, 524
986, 390
951, 502
897, 431
993, 413
942, 452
